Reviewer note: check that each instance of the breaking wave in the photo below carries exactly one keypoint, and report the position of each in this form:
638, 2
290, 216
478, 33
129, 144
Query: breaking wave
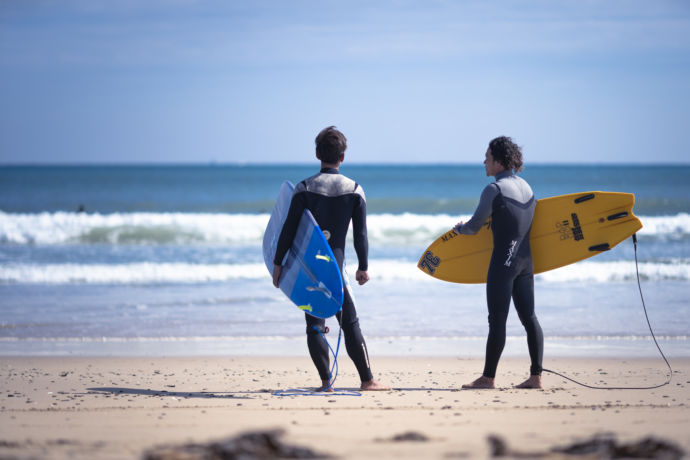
64, 228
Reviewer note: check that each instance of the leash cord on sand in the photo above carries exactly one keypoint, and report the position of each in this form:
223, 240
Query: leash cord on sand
644, 307
331, 376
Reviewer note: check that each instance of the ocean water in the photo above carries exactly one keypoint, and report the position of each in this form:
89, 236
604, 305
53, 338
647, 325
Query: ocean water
156, 260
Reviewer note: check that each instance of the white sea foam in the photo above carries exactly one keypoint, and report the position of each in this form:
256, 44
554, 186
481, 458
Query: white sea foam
136, 273
585, 271
131, 228
407, 229
605, 272
380, 270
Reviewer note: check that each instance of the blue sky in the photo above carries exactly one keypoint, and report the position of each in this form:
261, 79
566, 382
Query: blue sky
127, 81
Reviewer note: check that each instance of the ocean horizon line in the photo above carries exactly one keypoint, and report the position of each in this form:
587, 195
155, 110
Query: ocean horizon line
347, 164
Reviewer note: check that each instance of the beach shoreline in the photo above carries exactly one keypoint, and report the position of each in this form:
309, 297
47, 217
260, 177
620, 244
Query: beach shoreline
295, 346
121, 407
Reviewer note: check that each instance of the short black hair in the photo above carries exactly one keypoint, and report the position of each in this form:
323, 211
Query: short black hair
506, 152
330, 145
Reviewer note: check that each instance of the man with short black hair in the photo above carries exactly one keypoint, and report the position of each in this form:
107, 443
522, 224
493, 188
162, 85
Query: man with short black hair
334, 200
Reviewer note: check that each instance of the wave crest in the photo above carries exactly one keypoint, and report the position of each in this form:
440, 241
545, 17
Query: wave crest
61, 228
131, 228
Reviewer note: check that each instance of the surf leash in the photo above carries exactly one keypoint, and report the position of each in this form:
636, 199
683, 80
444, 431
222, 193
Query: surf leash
331, 376
644, 307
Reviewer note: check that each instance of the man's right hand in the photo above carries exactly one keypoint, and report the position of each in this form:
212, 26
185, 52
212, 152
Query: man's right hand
277, 270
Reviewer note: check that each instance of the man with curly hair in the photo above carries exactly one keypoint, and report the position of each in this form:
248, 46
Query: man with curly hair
509, 203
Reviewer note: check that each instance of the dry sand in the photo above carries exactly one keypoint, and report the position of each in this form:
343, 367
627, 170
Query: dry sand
102, 408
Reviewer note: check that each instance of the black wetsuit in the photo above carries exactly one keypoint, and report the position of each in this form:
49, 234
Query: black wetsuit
333, 200
510, 203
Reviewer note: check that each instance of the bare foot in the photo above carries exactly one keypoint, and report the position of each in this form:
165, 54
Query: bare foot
482, 383
373, 385
534, 381
325, 387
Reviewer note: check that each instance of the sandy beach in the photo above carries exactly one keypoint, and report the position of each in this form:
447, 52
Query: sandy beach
120, 408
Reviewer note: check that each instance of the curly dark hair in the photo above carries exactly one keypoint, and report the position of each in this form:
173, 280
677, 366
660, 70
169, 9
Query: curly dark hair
330, 144
506, 152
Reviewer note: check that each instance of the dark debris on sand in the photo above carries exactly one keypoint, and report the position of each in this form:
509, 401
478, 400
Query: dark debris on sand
599, 447
412, 436
247, 446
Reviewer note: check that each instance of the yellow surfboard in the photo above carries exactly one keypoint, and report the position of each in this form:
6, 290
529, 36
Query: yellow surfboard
565, 229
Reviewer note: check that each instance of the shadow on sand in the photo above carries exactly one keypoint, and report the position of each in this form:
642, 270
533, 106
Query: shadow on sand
177, 394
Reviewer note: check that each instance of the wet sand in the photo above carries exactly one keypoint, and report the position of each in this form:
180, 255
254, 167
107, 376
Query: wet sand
119, 408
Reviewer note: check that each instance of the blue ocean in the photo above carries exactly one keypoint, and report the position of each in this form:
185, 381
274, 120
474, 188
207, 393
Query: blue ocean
167, 260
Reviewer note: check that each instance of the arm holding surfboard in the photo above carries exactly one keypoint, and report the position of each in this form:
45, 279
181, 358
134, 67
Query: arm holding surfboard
481, 214
287, 235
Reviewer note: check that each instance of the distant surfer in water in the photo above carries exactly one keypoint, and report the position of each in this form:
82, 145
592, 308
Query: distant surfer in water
333, 200
510, 204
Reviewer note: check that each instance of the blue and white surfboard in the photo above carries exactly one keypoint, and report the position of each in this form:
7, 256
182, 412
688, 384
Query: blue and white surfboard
310, 278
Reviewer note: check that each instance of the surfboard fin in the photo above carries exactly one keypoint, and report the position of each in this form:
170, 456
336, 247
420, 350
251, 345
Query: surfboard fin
617, 215
584, 198
600, 247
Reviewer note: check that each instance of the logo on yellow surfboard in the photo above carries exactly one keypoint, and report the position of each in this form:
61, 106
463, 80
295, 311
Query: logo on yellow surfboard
430, 262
